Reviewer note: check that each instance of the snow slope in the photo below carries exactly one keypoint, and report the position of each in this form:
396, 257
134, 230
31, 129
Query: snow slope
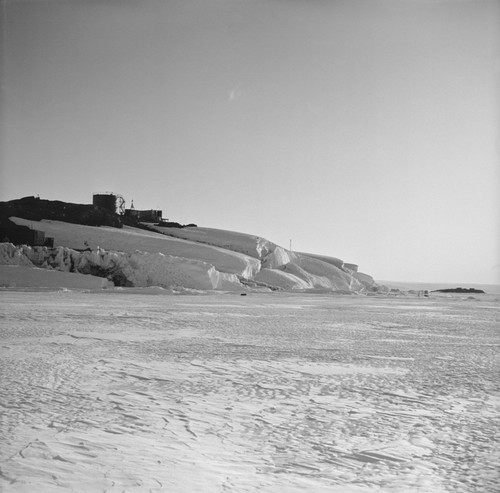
330, 260
253, 246
129, 240
305, 272
124, 269
195, 258
352, 269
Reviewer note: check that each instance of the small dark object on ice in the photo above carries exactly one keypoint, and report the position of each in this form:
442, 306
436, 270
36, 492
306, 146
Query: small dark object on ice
459, 290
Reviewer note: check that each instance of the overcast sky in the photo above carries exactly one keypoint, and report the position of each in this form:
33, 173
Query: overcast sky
366, 130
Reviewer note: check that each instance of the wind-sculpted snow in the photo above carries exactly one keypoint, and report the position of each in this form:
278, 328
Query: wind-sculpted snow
329, 260
136, 269
299, 271
129, 240
336, 281
335, 276
365, 279
278, 279
202, 258
277, 258
12, 255
265, 393
253, 246
351, 269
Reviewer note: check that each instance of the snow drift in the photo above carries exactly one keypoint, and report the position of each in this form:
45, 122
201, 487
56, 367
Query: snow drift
136, 269
194, 258
253, 246
128, 240
22, 276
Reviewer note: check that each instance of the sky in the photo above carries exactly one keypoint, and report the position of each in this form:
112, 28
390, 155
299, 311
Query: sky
365, 130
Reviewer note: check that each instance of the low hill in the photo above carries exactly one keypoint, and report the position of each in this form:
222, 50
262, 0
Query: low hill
152, 255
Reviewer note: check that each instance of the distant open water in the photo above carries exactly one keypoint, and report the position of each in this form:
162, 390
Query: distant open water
487, 288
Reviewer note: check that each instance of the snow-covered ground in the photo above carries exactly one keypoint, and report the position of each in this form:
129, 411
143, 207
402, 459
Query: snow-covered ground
128, 240
251, 245
139, 269
196, 258
20, 276
119, 391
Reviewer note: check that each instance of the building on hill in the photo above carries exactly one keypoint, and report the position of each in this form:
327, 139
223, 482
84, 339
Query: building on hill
146, 216
109, 201
105, 200
22, 235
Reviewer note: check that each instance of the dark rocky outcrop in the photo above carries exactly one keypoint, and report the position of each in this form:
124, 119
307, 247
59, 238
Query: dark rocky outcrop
459, 290
37, 209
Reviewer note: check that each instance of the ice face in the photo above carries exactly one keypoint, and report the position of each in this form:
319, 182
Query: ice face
192, 258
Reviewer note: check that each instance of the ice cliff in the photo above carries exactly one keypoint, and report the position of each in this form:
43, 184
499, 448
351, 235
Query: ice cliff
123, 269
193, 258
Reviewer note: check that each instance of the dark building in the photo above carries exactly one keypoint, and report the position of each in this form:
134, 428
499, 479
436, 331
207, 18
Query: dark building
149, 216
146, 216
22, 235
105, 200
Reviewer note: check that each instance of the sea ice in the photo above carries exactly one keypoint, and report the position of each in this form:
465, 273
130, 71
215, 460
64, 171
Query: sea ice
119, 390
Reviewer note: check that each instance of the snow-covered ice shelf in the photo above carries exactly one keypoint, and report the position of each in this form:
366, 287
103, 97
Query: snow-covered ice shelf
268, 392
